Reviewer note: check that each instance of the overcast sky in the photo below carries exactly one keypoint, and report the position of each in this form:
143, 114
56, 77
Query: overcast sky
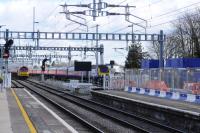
18, 15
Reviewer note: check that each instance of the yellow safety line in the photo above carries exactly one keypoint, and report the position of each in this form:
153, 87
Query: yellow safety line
24, 114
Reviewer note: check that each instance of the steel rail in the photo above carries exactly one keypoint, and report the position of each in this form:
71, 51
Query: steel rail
114, 109
121, 122
82, 121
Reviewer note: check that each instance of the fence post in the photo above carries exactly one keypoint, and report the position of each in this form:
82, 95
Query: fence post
140, 78
173, 78
161, 41
149, 74
124, 78
160, 73
137, 77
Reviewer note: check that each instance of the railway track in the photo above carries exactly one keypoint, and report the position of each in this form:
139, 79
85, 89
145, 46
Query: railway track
129, 121
73, 118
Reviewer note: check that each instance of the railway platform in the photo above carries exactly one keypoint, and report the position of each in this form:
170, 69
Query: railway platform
21, 112
178, 114
5, 122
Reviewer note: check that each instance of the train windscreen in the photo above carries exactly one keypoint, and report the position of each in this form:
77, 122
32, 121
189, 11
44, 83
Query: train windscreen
23, 69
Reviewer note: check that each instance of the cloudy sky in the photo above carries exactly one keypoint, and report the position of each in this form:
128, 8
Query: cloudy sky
17, 15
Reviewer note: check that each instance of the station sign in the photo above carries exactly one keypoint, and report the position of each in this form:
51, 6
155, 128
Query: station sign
103, 70
82, 66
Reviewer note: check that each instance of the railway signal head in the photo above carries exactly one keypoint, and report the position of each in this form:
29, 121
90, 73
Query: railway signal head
9, 43
6, 54
43, 61
43, 64
7, 46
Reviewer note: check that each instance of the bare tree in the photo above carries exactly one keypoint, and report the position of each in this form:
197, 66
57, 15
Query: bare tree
184, 40
170, 48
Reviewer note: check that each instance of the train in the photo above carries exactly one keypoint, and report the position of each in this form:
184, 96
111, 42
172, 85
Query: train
59, 73
23, 72
65, 72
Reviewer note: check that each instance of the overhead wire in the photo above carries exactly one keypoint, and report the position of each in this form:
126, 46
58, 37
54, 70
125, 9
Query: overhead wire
71, 22
126, 27
170, 21
51, 12
123, 28
174, 10
177, 14
111, 9
150, 4
161, 15
173, 20
164, 14
117, 4
45, 18
171, 12
103, 25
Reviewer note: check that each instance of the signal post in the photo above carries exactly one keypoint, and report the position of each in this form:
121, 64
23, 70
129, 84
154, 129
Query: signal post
6, 54
43, 68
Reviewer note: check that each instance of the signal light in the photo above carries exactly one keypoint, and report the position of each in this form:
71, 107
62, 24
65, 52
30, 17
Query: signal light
5, 55
7, 46
9, 43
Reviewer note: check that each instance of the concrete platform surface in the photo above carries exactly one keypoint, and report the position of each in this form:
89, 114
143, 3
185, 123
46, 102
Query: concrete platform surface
184, 116
42, 119
5, 124
18, 123
156, 101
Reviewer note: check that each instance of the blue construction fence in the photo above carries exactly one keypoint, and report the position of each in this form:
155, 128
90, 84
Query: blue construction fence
173, 62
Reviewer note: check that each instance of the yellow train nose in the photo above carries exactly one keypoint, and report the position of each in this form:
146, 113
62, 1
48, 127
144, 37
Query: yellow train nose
23, 74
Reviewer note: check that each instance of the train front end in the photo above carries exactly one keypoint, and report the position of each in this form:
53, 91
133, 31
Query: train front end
23, 72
